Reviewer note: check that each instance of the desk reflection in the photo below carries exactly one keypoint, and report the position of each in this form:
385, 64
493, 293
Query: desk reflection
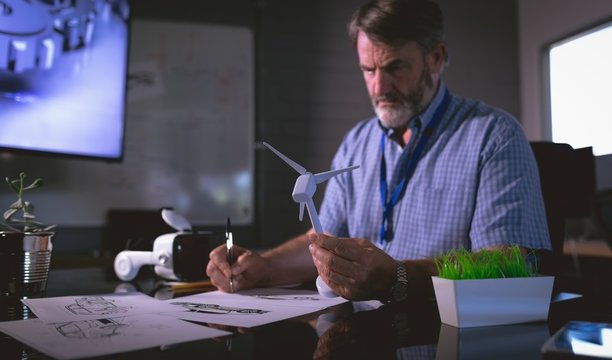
414, 331
410, 331
521, 341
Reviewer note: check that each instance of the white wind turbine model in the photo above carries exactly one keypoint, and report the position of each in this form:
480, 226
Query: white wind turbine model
306, 185
304, 189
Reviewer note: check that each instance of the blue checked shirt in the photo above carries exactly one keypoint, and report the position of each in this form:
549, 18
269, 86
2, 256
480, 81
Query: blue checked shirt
476, 185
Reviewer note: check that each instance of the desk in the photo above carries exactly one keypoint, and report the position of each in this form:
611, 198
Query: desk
411, 331
599, 248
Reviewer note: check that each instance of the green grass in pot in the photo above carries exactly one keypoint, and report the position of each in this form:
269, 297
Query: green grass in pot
487, 264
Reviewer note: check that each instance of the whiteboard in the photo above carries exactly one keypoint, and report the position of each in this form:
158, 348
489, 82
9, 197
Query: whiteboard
189, 134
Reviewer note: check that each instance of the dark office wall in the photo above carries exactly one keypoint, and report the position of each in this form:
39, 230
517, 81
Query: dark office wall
228, 12
309, 90
310, 94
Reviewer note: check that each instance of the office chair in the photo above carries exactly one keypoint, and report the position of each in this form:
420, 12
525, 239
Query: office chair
567, 178
602, 214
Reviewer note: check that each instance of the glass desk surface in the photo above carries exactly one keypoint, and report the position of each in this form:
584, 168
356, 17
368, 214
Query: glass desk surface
412, 331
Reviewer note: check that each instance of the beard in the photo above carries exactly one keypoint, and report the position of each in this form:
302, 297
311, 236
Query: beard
405, 107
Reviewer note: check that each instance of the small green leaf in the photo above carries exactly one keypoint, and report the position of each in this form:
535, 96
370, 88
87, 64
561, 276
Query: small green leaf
37, 183
13, 185
9, 213
16, 205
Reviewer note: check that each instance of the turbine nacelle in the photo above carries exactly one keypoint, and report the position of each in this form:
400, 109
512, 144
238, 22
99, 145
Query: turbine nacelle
306, 185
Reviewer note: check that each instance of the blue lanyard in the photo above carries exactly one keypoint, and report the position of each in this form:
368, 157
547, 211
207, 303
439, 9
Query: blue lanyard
408, 169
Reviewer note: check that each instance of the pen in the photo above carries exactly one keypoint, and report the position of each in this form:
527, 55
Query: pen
229, 243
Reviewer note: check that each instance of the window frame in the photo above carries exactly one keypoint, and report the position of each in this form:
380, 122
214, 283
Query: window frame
546, 71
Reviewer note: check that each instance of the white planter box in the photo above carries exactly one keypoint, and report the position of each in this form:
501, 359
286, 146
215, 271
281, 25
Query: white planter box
487, 302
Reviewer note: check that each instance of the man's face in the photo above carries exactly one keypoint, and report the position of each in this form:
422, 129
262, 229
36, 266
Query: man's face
399, 80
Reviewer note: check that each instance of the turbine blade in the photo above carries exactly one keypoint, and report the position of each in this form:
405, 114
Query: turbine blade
302, 210
297, 167
314, 217
324, 176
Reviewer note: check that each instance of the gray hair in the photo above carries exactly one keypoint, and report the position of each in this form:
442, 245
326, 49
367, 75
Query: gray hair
396, 22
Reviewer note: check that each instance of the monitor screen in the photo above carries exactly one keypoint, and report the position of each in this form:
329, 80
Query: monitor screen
63, 66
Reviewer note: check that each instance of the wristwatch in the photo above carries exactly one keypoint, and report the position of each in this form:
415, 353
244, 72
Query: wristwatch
399, 291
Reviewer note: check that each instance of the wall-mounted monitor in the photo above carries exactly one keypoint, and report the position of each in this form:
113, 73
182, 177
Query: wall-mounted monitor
63, 66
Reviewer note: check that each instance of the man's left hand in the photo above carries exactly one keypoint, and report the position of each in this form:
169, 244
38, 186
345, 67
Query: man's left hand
354, 268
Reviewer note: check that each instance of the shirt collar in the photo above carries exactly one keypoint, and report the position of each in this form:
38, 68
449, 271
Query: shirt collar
429, 112
425, 116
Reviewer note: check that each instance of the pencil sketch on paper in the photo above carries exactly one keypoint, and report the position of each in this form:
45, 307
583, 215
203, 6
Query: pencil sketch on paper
217, 309
95, 305
91, 329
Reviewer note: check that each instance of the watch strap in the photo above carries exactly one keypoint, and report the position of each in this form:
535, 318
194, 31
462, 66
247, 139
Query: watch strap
399, 291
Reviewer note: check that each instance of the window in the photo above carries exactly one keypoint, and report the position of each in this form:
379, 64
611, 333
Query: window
580, 74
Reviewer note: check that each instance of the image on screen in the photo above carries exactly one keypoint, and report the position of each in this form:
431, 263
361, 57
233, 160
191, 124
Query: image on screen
63, 67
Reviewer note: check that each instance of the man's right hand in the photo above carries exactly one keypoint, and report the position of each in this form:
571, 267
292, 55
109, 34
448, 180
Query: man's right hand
248, 270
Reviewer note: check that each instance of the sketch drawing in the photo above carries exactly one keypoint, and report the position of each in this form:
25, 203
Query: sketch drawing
218, 309
91, 329
95, 305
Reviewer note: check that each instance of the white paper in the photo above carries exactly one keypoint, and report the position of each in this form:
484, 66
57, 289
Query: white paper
251, 308
89, 307
97, 337
290, 297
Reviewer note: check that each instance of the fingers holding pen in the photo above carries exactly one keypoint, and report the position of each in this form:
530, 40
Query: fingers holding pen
223, 275
218, 261
247, 270
217, 269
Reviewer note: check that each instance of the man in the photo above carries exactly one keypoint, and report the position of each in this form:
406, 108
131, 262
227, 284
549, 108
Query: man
438, 172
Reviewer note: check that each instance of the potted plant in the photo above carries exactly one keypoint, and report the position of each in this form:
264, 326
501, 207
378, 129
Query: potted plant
25, 245
491, 287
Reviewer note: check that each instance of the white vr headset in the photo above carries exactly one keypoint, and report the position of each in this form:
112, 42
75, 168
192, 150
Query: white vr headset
180, 256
